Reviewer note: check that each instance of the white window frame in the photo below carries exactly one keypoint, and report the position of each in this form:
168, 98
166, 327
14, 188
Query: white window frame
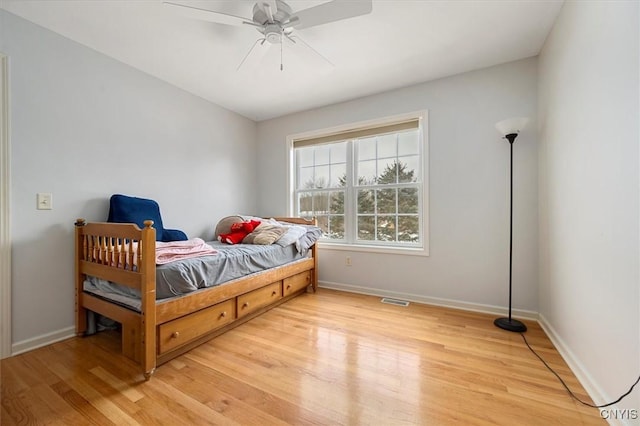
422, 250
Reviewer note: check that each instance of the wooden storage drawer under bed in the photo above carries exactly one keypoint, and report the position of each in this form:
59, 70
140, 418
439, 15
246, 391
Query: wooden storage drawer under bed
183, 330
256, 299
295, 283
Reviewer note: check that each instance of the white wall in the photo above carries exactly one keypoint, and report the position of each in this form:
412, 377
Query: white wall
85, 126
589, 251
469, 169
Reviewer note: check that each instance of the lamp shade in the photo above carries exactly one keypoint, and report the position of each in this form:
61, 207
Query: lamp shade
511, 125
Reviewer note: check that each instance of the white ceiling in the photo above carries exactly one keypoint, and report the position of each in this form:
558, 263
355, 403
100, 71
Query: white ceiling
402, 42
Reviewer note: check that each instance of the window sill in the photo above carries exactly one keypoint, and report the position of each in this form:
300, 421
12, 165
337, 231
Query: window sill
405, 251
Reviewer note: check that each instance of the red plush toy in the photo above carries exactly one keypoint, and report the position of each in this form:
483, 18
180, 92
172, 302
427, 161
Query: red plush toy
239, 230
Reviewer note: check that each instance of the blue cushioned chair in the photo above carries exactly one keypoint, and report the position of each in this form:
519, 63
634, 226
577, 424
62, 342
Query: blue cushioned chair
125, 209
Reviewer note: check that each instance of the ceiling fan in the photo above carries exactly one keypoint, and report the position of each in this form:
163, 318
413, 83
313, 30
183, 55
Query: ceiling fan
276, 21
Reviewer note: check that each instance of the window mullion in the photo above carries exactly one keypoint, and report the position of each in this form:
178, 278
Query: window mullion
350, 195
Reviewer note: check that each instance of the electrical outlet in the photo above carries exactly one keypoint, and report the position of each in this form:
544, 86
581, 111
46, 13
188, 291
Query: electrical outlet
347, 261
44, 201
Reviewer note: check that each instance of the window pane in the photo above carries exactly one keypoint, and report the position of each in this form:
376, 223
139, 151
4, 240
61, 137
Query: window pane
408, 229
387, 146
409, 170
336, 202
366, 172
386, 201
338, 175
408, 143
305, 204
366, 228
338, 152
323, 223
336, 227
305, 178
321, 178
386, 228
366, 148
366, 201
322, 155
408, 200
388, 171
321, 203
304, 156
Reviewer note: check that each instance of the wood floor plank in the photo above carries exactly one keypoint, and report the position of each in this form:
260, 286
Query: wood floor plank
324, 358
130, 393
61, 412
230, 404
80, 405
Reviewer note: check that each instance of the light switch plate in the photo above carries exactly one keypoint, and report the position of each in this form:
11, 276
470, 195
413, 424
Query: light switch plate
45, 201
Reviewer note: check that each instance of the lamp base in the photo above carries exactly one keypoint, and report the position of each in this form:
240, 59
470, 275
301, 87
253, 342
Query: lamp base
510, 324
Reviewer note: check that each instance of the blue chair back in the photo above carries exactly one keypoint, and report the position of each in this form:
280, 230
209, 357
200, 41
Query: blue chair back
127, 209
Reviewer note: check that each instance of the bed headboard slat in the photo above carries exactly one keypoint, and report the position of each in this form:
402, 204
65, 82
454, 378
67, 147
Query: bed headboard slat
113, 248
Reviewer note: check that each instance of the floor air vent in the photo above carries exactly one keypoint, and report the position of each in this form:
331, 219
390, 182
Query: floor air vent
396, 302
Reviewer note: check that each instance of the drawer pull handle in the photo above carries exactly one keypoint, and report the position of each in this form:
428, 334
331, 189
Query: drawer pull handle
223, 314
288, 286
273, 293
175, 334
246, 305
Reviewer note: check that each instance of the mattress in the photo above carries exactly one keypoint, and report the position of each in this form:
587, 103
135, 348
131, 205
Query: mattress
185, 276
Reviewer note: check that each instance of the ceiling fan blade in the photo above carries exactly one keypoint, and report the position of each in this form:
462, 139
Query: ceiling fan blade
291, 22
332, 11
208, 15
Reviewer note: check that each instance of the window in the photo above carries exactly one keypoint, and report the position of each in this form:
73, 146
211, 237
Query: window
365, 184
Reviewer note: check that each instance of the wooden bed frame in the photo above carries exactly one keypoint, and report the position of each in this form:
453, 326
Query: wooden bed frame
163, 330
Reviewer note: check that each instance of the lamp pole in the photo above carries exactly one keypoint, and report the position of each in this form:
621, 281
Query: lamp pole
509, 323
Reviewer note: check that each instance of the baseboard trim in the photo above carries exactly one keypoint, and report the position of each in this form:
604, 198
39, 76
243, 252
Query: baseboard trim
42, 340
588, 383
447, 303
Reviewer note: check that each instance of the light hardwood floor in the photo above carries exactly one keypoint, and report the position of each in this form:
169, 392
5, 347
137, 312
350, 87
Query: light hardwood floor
328, 358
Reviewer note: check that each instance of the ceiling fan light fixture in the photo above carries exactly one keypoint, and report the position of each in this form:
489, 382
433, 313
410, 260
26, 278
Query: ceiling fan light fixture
273, 33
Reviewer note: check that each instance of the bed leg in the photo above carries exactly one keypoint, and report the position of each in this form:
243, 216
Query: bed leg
147, 374
314, 272
81, 320
80, 311
131, 341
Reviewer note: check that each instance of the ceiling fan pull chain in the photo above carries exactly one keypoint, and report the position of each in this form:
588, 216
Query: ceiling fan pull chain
281, 43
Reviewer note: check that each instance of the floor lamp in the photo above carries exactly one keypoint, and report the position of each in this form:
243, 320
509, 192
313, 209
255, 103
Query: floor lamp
509, 130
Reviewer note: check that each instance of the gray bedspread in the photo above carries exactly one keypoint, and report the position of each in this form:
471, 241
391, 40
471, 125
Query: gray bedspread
185, 276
